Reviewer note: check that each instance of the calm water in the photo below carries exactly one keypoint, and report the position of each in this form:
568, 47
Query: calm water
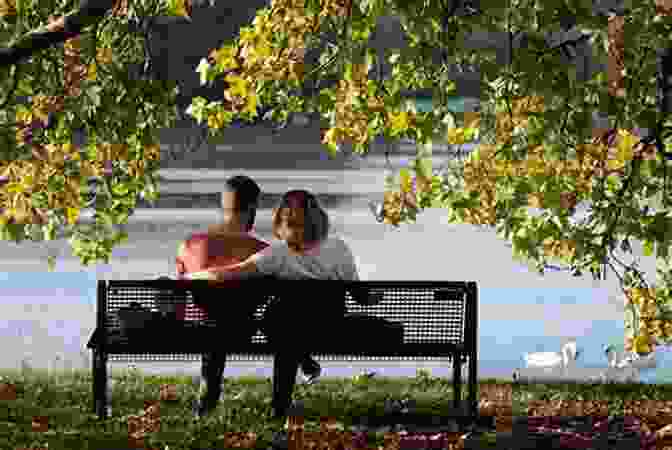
55, 320
50, 315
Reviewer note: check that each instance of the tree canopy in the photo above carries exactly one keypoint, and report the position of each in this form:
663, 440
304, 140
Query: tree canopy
537, 147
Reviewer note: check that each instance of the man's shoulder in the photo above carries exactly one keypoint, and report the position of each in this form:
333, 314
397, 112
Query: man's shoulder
195, 239
232, 238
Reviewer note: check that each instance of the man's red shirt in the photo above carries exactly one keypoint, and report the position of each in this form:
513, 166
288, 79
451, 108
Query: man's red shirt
202, 251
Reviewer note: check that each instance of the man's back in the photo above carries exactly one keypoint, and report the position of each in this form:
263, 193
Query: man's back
215, 248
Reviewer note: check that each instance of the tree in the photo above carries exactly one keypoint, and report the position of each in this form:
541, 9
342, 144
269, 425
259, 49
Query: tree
539, 151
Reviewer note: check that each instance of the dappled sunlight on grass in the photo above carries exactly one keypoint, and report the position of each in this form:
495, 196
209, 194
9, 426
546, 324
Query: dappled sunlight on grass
38, 409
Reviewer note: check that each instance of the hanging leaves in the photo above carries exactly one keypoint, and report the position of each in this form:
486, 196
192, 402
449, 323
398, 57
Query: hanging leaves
180, 8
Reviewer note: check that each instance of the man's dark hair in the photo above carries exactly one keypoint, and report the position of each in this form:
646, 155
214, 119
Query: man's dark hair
247, 197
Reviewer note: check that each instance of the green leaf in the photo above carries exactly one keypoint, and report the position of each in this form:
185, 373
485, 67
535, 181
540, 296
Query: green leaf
332, 149
121, 237
404, 175
449, 120
120, 189
93, 92
197, 109
24, 86
56, 183
203, 71
470, 133
347, 75
39, 200
423, 166
648, 248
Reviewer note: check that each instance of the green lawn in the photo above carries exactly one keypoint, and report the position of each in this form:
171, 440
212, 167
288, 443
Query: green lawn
245, 407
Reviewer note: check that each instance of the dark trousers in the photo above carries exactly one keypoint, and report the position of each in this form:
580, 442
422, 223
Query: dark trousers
233, 311
287, 330
295, 335
285, 367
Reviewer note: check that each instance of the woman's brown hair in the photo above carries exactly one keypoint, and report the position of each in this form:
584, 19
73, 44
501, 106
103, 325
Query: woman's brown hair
316, 223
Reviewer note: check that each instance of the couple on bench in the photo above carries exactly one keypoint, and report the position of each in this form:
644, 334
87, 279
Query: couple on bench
229, 251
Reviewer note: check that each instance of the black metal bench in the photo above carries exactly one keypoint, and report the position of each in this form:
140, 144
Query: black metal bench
439, 321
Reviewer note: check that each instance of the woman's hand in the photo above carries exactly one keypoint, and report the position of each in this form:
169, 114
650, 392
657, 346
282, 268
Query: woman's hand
225, 273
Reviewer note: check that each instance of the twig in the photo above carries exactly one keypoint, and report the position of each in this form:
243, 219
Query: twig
15, 83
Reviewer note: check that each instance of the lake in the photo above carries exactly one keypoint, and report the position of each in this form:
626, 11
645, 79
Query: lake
46, 315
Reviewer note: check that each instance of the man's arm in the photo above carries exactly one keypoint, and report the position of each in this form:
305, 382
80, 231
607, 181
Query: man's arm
246, 269
180, 269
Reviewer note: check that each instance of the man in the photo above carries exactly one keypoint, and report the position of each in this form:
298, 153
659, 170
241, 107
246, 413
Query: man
228, 242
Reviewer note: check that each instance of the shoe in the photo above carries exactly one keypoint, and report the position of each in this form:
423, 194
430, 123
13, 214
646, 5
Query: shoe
280, 440
296, 408
312, 376
201, 408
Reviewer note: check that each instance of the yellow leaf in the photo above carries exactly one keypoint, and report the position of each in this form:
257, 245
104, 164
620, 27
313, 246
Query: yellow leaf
296, 71
15, 188
153, 152
179, 8
23, 115
10, 213
406, 181
225, 58
625, 145
104, 55
642, 343
72, 215
21, 213
251, 106
471, 119
331, 136
238, 86
260, 21
246, 35
92, 73
7, 8
615, 164
399, 122
263, 50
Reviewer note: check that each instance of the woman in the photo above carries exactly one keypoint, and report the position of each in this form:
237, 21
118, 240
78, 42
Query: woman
303, 251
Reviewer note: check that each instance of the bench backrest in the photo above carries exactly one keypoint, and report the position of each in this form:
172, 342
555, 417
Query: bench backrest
431, 311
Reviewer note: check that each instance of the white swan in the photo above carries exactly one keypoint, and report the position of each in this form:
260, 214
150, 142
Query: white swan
621, 360
564, 358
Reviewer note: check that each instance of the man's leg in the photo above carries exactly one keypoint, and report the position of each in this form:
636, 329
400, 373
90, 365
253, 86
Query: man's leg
285, 366
212, 371
309, 366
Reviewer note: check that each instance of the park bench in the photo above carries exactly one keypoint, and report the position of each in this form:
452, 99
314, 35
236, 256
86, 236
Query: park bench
439, 321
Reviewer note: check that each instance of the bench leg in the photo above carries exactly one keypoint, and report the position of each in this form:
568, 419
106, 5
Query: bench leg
473, 385
100, 384
457, 382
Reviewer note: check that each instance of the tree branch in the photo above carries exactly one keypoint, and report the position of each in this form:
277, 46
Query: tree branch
64, 28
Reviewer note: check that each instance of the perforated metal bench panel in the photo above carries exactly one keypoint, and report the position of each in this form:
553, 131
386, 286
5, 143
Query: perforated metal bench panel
433, 315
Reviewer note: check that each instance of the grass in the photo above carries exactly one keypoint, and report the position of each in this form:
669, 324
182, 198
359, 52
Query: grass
64, 402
